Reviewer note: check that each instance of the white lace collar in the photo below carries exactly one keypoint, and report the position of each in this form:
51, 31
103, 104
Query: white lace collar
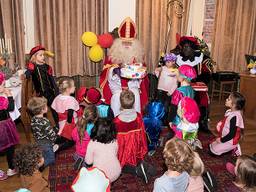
197, 60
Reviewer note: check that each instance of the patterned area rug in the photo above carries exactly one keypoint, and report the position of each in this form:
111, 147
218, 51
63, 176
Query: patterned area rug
61, 174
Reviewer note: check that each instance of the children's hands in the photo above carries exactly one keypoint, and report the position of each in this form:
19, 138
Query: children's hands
7, 92
218, 140
170, 124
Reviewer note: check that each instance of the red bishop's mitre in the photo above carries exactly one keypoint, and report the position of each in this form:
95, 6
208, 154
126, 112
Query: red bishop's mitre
127, 30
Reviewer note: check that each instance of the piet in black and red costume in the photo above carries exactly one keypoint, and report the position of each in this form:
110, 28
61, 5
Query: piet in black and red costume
42, 77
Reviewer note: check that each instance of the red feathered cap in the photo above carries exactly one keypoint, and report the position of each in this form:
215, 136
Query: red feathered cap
93, 96
127, 30
190, 109
189, 38
81, 94
36, 49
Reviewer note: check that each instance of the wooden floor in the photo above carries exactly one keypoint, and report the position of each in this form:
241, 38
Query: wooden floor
217, 111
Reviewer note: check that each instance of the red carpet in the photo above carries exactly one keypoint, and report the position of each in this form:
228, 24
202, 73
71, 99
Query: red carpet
62, 174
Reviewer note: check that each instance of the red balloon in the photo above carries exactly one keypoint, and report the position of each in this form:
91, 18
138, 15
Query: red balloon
105, 40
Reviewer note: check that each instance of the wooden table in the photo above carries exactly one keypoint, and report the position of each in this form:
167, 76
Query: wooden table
248, 89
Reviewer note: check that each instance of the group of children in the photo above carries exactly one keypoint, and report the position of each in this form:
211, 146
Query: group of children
118, 144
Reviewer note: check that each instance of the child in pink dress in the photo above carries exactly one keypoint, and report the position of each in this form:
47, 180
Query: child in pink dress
231, 127
8, 133
66, 106
81, 134
102, 149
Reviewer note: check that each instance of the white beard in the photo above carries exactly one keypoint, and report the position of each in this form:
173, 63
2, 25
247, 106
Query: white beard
121, 54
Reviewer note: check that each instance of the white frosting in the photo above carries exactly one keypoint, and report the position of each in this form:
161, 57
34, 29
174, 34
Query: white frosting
133, 71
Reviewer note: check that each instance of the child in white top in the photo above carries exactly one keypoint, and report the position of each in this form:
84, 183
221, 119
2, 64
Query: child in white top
167, 80
66, 106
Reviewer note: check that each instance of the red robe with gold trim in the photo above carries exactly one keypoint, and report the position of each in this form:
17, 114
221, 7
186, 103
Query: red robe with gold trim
132, 141
124, 82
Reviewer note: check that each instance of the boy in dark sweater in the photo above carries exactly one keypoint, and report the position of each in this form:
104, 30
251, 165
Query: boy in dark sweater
43, 133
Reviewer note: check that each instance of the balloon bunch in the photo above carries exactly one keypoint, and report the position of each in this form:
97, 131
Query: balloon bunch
96, 43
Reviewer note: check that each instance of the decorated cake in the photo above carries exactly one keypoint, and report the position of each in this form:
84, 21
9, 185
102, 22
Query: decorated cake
133, 71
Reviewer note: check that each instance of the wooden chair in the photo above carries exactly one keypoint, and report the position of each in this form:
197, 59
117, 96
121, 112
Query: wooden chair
221, 88
27, 92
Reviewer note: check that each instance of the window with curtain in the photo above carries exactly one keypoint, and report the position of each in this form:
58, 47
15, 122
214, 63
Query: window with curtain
11, 24
59, 26
234, 35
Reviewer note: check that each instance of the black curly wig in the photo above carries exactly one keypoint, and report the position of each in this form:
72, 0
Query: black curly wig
27, 158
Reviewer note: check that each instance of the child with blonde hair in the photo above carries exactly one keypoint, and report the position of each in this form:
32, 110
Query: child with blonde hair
66, 106
196, 183
179, 158
42, 77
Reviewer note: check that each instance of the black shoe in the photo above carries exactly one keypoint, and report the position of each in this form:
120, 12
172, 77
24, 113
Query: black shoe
78, 164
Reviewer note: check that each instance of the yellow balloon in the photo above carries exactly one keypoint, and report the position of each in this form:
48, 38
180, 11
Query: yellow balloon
96, 53
89, 38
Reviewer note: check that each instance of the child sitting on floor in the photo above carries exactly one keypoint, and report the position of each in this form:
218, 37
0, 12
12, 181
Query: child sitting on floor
102, 149
9, 136
28, 159
66, 106
43, 133
245, 171
92, 96
81, 134
196, 182
131, 138
231, 127
179, 158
